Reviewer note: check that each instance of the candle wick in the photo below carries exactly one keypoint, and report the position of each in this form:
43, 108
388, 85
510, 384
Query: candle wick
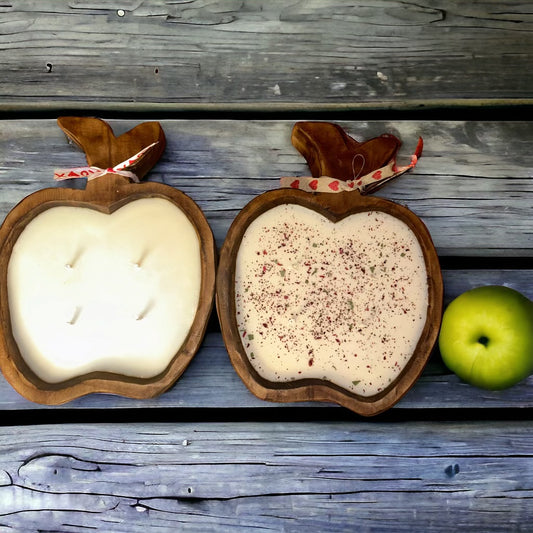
71, 264
75, 316
140, 261
145, 311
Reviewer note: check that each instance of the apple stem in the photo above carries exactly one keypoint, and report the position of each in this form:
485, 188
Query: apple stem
483, 340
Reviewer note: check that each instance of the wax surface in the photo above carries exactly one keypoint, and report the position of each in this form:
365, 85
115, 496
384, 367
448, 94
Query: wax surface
90, 291
344, 302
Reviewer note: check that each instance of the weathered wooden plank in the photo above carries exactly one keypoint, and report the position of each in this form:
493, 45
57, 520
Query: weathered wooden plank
379, 53
472, 187
210, 381
322, 476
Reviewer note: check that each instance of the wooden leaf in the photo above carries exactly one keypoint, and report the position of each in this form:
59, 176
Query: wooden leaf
330, 151
102, 149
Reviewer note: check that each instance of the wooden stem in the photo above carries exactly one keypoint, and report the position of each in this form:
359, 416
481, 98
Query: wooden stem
106, 188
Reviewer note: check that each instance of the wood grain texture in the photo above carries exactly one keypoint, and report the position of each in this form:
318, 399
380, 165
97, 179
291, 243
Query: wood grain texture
105, 150
382, 53
322, 476
472, 186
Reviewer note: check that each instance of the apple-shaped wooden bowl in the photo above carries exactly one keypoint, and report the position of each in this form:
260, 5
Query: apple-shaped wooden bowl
338, 208
105, 199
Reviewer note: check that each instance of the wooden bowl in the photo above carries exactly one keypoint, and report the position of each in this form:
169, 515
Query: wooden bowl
106, 195
334, 207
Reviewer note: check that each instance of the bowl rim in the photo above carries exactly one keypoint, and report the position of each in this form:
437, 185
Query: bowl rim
118, 192
335, 207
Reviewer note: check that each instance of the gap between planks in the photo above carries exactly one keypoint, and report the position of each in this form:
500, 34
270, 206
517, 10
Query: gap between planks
508, 109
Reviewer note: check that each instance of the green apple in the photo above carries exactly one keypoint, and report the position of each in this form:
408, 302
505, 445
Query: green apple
486, 337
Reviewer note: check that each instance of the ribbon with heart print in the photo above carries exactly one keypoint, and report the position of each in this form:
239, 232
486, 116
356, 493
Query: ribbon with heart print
367, 183
95, 172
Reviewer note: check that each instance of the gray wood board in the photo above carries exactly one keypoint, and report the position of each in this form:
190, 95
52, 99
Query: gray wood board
322, 476
379, 53
211, 382
472, 186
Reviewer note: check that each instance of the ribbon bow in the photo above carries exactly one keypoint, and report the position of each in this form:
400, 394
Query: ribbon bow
95, 172
365, 184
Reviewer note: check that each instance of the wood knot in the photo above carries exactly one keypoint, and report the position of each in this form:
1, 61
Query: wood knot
452, 470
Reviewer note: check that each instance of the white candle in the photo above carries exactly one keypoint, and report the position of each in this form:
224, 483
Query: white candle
344, 302
90, 291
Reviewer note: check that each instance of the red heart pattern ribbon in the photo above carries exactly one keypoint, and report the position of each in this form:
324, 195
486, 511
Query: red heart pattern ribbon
365, 184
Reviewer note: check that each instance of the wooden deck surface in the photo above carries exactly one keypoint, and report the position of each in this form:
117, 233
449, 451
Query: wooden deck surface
214, 53
227, 80
244, 476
